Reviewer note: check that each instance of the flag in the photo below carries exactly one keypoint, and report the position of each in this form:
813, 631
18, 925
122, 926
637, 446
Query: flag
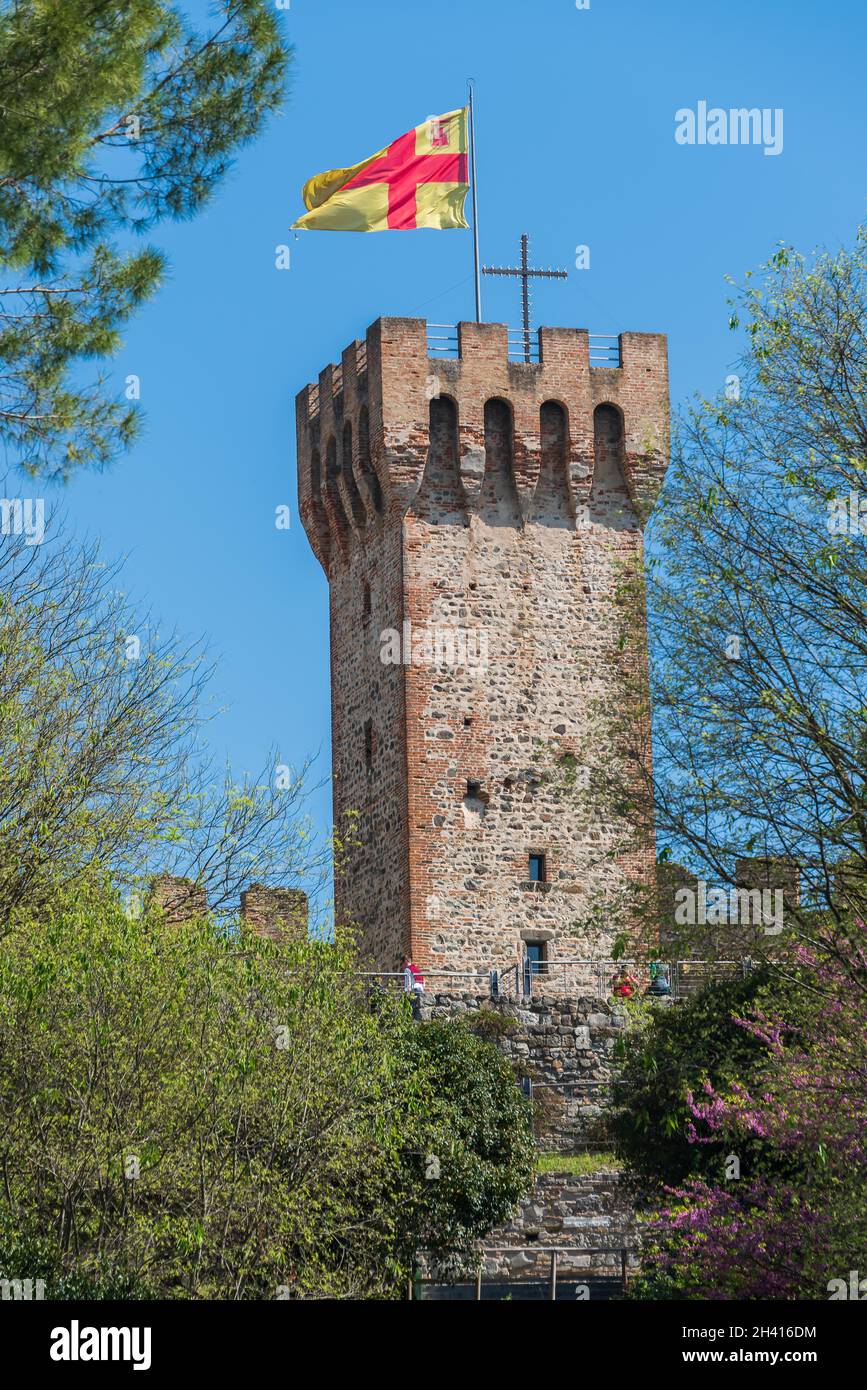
419, 180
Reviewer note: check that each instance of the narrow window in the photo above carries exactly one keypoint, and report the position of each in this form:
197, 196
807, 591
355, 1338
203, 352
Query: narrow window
537, 957
538, 868
368, 744
475, 805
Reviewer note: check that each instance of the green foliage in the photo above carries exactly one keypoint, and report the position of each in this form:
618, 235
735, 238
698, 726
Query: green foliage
578, 1164
672, 1052
193, 1114
477, 1126
116, 116
754, 590
101, 767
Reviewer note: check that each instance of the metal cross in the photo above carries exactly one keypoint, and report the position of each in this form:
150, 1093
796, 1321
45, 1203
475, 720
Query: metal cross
525, 274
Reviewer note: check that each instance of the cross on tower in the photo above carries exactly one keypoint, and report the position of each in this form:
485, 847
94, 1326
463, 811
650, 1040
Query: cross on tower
525, 274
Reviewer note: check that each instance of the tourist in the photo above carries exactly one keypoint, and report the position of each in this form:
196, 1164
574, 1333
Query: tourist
660, 983
624, 985
413, 979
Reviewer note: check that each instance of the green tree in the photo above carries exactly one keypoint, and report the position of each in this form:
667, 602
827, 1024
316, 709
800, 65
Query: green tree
756, 591
101, 762
189, 1113
479, 1154
113, 117
670, 1054
755, 588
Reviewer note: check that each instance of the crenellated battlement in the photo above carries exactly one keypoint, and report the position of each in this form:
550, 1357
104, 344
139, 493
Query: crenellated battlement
364, 429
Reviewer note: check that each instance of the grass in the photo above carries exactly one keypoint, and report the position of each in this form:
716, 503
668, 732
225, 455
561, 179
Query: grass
577, 1163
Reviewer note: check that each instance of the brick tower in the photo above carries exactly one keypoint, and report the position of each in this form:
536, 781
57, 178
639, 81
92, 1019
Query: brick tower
471, 515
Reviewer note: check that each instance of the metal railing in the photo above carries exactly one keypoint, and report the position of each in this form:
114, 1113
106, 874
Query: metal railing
529, 979
482, 980
524, 347
598, 977
626, 1257
443, 340
605, 350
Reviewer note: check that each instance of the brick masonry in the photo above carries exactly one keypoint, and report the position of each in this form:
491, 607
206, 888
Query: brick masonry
179, 899
280, 913
491, 503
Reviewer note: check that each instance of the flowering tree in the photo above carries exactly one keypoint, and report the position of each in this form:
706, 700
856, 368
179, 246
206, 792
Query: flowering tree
752, 1236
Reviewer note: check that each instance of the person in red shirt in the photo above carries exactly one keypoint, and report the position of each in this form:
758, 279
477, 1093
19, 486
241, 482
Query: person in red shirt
624, 985
413, 979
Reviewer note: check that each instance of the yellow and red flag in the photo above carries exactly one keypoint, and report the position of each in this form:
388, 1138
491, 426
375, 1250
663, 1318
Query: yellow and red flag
419, 180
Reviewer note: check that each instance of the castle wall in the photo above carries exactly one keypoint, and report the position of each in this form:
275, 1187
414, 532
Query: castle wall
576, 1213
564, 1045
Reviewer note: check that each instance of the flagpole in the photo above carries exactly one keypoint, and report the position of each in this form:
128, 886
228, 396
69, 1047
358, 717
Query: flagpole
477, 273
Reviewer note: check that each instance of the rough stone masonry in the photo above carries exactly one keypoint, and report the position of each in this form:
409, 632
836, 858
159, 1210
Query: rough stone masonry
473, 514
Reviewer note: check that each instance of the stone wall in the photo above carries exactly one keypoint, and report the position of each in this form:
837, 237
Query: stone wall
583, 1213
490, 503
179, 899
564, 1045
279, 913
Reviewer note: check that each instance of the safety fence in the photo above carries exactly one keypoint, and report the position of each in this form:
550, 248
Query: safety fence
577, 1272
443, 341
531, 978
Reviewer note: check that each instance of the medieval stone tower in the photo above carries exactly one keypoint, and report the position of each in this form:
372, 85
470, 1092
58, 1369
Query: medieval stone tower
471, 515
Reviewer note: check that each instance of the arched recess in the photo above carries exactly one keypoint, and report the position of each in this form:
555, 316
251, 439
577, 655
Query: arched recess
319, 514
552, 504
332, 475
358, 511
440, 497
316, 481
610, 502
365, 464
498, 501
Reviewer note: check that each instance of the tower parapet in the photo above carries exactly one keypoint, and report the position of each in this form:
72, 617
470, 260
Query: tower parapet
363, 428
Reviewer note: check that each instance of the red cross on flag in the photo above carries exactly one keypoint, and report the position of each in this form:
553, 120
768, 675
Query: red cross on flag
419, 180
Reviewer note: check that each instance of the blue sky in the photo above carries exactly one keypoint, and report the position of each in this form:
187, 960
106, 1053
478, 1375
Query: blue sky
575, 142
